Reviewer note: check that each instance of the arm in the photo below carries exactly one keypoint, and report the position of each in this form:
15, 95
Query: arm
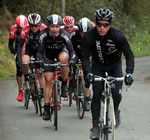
41, 48
19, 49
126, 49
10, 44
85, 54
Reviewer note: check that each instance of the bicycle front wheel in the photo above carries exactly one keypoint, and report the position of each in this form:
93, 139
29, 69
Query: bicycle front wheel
55, 95
109, 129
80, 97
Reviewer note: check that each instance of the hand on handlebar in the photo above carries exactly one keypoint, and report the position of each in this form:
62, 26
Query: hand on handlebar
128, 79
90, 77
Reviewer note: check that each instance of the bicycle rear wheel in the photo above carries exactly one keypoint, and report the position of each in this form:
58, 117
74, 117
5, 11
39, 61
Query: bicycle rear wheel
109, 129
26, 98
55, 94
35, 96
80, 97
38, 96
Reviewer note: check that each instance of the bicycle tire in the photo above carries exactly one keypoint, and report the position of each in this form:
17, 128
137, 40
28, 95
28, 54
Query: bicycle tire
35, 96
109, 121
26, 97
70, 99
38, 96
80, 97
55, 92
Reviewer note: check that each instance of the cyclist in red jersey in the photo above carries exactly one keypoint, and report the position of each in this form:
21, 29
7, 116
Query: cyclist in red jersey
28, 45
68, 22
14, 35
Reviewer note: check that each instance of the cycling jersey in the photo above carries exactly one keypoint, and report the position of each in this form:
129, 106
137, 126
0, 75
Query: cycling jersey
76, 40
28, 40
49, 45
107, 49
14, 35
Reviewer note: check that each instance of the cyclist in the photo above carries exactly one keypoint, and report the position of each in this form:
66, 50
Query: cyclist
84, 24
106, 43
68, 24
14, 35
54, 43
28, 46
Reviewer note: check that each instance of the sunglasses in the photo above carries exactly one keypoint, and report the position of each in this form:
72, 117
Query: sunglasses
104, 25
68, 26
34, 25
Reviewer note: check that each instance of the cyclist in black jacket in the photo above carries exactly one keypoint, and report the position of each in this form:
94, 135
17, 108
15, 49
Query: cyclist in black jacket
54, 42
106, 43
84, 24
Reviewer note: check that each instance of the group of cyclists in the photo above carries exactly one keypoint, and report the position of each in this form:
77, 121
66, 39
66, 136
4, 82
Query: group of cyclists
60, 39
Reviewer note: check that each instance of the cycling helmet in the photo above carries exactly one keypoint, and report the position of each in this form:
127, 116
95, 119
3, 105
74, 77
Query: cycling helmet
68, 21
104, 14
21, 21
34, 18
84, 24
54, 19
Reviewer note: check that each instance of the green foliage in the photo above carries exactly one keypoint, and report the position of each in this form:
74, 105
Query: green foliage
131, 16
7, 63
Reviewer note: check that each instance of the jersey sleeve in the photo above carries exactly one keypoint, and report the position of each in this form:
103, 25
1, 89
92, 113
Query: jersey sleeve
126, 49
85, 54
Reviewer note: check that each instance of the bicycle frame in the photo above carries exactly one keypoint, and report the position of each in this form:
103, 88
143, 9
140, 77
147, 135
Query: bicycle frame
107, 101
55, 104
79, 90
35, 91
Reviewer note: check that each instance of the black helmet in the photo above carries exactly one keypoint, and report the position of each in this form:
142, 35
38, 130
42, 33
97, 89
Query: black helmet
104, 14
54, 19
84, 24
34, 18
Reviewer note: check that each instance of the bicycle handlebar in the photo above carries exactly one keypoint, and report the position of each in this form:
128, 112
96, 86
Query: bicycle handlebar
99, 78
56, 65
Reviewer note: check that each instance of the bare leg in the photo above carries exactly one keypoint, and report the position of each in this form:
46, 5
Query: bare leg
48, 87
25, 68
63, 58
19, 81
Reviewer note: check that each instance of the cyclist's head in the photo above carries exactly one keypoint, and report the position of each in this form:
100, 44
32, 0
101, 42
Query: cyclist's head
68, 21
34, 22
21, 21
54, 22
54, 19
34, 19
84, 24
104, 14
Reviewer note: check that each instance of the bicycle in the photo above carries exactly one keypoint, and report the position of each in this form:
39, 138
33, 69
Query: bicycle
32, 88
56, 92
79, 90
107, 116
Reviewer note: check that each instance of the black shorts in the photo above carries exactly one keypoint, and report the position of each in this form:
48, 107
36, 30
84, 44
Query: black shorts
50, 59
30, 51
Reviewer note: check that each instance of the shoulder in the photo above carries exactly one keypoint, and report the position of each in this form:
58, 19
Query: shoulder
116, 31
43, 34
91, 33
43, 26
63, 27
13, 28
74, 33
13, 31
24, 32
64, 35
117, 34
75, 28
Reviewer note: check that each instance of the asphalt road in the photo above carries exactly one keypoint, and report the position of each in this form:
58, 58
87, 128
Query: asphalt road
17, 123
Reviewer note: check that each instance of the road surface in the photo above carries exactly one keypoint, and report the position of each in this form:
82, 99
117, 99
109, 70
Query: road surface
17, 123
